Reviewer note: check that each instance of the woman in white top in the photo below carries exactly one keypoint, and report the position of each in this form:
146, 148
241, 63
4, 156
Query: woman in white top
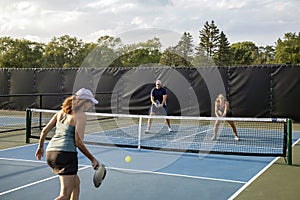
222, 109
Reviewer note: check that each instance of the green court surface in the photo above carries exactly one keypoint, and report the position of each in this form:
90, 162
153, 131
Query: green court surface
279, 181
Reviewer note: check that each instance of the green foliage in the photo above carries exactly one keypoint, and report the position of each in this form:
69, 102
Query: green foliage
171, 58
244, 53
63, 52
185, 45
184, 49
213, 49
209, 38
181, 54
20, 53
140, 57
103, 54
266, 55
288, 49
143, 53
201, 60
223, 56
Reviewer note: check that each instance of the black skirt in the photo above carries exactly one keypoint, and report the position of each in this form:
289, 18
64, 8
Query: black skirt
62, 163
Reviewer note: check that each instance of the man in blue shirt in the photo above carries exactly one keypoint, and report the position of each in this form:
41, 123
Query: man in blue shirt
158, 97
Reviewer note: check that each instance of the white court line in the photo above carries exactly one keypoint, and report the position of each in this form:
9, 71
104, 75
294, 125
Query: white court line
27, 185
190, 135
256, 176
33, 183
175, 175
23, 160
18, 147
112, 168
252, 179
246, 184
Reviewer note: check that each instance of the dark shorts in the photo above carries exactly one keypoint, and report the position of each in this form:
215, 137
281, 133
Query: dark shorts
229, 113
159, 111
62, 163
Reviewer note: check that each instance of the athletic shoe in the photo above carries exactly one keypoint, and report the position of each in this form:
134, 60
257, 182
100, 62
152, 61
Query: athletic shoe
236, 138
147, 131
170, 130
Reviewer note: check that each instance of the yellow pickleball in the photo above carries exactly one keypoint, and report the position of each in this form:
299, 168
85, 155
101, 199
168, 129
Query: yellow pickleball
128, 159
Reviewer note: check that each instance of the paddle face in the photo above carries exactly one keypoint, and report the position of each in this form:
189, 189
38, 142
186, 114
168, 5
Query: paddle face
99, 175
159, 110
158, 103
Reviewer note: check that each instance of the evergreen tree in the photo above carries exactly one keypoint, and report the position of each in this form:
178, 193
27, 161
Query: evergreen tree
201, 60
184, 48
209, 38
223, 55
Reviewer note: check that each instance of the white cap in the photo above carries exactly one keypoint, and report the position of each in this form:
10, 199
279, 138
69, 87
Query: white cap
86, 94
158, 82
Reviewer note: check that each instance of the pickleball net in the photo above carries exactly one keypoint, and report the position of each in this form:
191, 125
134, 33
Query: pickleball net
257, 136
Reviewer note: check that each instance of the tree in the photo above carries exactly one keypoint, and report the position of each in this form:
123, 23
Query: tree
63, 52
184, 49
288, 49
171, 58
223, 54
201, 59
142, 53
20, 53
83, 55
209, 38
139, 57
181, 54
152, 44
265, 55
7, 57
213, 50
106, 53
244, 53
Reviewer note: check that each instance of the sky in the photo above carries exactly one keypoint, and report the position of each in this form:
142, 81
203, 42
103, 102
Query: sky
260, 21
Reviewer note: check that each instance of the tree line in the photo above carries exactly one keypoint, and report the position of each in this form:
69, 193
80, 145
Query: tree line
213, 49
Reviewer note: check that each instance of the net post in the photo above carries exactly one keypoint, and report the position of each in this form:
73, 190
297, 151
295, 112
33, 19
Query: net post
289, 141
28, 124
140, 132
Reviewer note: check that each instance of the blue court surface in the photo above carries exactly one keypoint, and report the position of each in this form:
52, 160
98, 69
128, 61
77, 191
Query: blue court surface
150, 174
